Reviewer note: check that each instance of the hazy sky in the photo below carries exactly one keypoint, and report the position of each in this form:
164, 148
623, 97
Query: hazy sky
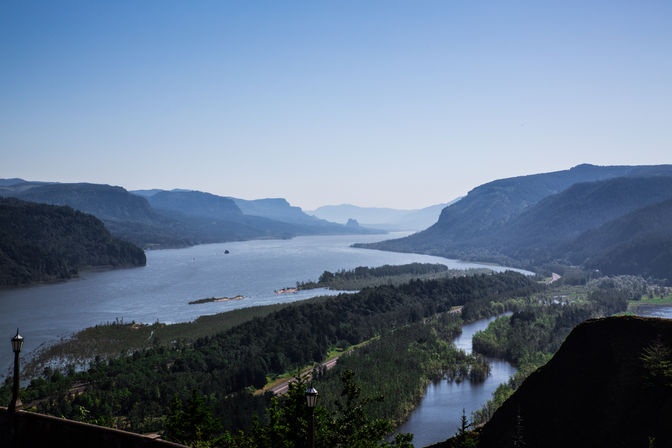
377, 103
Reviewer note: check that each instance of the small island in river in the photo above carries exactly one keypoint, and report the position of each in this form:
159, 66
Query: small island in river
215, 299
286, 291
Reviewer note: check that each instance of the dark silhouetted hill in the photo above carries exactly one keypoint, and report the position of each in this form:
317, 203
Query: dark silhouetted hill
41, 242
609, 385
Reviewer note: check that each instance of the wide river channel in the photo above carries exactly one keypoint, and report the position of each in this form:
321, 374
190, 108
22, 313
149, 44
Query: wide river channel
161, 290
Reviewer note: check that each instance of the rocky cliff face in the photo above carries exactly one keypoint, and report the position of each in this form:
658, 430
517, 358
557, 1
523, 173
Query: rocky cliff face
610, 385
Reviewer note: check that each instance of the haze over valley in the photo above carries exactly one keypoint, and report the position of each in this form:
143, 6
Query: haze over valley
335, 224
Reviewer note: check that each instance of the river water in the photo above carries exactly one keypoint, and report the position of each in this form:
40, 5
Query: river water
162, 289
664, 311
438, 416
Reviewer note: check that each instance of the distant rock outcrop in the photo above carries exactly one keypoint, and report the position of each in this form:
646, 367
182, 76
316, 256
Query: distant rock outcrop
383, 218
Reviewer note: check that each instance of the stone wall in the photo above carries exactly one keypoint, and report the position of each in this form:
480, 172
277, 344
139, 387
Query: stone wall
28, 430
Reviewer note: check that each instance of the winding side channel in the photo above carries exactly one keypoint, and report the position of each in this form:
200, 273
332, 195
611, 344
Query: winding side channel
438, 415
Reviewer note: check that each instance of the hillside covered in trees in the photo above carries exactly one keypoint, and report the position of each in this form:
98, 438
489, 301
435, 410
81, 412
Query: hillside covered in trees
575, 217
41, 242
134, 391
177, 218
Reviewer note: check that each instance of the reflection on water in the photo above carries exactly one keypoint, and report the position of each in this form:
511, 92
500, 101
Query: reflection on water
438, 415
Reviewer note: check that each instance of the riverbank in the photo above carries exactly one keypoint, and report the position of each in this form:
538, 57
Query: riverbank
160, 291
111, 339
439, 412
653, 305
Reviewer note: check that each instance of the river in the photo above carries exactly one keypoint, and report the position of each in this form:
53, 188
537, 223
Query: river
161, 290
662, 311
438, 416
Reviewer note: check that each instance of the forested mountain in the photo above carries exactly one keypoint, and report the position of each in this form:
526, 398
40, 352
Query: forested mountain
608, 385
487, 207
126, 216
638, 243
43, 242
103, 201
12, 181
9, 187
551, 229
196, 203
563, 217
270, 217
155, 218
204, 204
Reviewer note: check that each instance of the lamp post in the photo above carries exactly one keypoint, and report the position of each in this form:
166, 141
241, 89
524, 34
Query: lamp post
17, 343
311, 400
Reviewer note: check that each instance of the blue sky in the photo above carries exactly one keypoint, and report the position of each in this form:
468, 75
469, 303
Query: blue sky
377, 103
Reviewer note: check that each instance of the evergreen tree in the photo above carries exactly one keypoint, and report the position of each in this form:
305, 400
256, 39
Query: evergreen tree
348, 426
192, 424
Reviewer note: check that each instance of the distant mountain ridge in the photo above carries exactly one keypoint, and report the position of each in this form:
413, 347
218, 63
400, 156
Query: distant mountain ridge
490, 205
383, 218
177, 218
126, 216
196, 203
272, 215
525, 221
278, 209
103, 201
563, 217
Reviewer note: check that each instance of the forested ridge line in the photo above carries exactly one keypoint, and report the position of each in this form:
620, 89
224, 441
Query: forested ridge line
40, 242
134, 391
